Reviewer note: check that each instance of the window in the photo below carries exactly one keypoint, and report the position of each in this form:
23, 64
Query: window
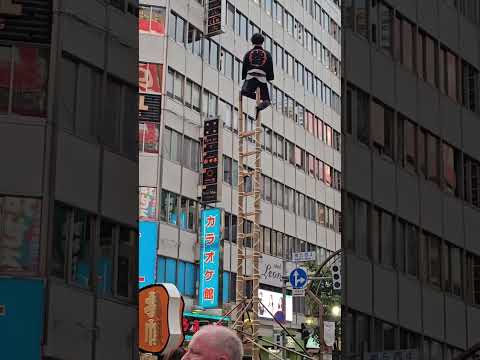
452, 272
442, 76
470, 87
361, 226
82, 91
449, 168
267, 188
299, 114
432, 157
20, 222
382, 129
148, 135
407, 36
151, 20
432, 254
267, 139
363, 130
191, 154
180, 273
300, 208
194, 40
300, 158
188, 214
175, 84
471, 180
147, 203
227, 64
411, 249
451, 72
227, 170
176, 28
427, 66
192, 95
126, 262
73, 256
230, 16
290, 23
327, 174
385, 28
321, 219
278, 12
473, 278
212, 52
241, 25
422, 154
169, 207
410, 144
359, 17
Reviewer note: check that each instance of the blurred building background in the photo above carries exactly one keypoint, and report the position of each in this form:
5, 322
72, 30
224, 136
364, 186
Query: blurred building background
68, 188
411, 168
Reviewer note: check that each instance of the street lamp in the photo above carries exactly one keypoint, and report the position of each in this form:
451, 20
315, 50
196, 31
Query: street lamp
336, 310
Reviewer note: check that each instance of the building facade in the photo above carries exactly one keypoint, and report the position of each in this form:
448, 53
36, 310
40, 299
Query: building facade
410, 165
68, 205
185, 77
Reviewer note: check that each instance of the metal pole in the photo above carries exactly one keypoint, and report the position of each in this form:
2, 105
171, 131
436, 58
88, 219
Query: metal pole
284, 310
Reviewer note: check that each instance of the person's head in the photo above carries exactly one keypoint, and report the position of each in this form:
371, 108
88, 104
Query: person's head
257, 39
176, 354
214, 342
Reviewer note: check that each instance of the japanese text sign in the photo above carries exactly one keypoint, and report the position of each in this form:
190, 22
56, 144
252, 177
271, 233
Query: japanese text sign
160, 314
210, 241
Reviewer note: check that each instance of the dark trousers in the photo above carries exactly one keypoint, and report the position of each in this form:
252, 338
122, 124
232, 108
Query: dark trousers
250, 87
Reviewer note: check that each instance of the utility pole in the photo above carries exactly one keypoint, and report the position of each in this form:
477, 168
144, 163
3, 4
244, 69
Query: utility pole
284, 309
319, 302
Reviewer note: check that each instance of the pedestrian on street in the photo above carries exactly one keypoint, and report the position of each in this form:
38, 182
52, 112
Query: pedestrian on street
214, 342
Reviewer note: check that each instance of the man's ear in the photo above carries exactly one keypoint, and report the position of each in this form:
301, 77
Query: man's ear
223, 357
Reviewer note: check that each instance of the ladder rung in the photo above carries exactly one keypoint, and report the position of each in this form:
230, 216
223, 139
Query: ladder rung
245, 134
249, 153
247, 235
247, 214
249, 193
244, 173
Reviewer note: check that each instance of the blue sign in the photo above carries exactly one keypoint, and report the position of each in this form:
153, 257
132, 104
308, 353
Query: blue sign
210, 241
147, 254
21, 323
298, 278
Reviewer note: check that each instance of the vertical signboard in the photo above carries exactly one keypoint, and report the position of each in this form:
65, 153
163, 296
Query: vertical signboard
211, 169
150, 77
147, 253
216, 12
160, 313
210, 253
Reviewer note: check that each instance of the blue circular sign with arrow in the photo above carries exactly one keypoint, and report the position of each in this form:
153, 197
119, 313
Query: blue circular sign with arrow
298, 278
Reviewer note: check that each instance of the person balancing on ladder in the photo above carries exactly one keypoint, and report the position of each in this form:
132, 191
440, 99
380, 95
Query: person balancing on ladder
257, 70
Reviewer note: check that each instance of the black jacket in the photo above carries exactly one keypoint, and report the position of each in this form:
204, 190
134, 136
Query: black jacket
258, 58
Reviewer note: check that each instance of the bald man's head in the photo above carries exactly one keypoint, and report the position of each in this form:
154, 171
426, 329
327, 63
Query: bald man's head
214, 342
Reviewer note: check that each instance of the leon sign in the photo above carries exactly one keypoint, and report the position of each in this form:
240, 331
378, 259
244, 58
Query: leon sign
160, 313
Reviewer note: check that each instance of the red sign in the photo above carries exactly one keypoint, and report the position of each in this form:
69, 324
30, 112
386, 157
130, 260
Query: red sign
150, 78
